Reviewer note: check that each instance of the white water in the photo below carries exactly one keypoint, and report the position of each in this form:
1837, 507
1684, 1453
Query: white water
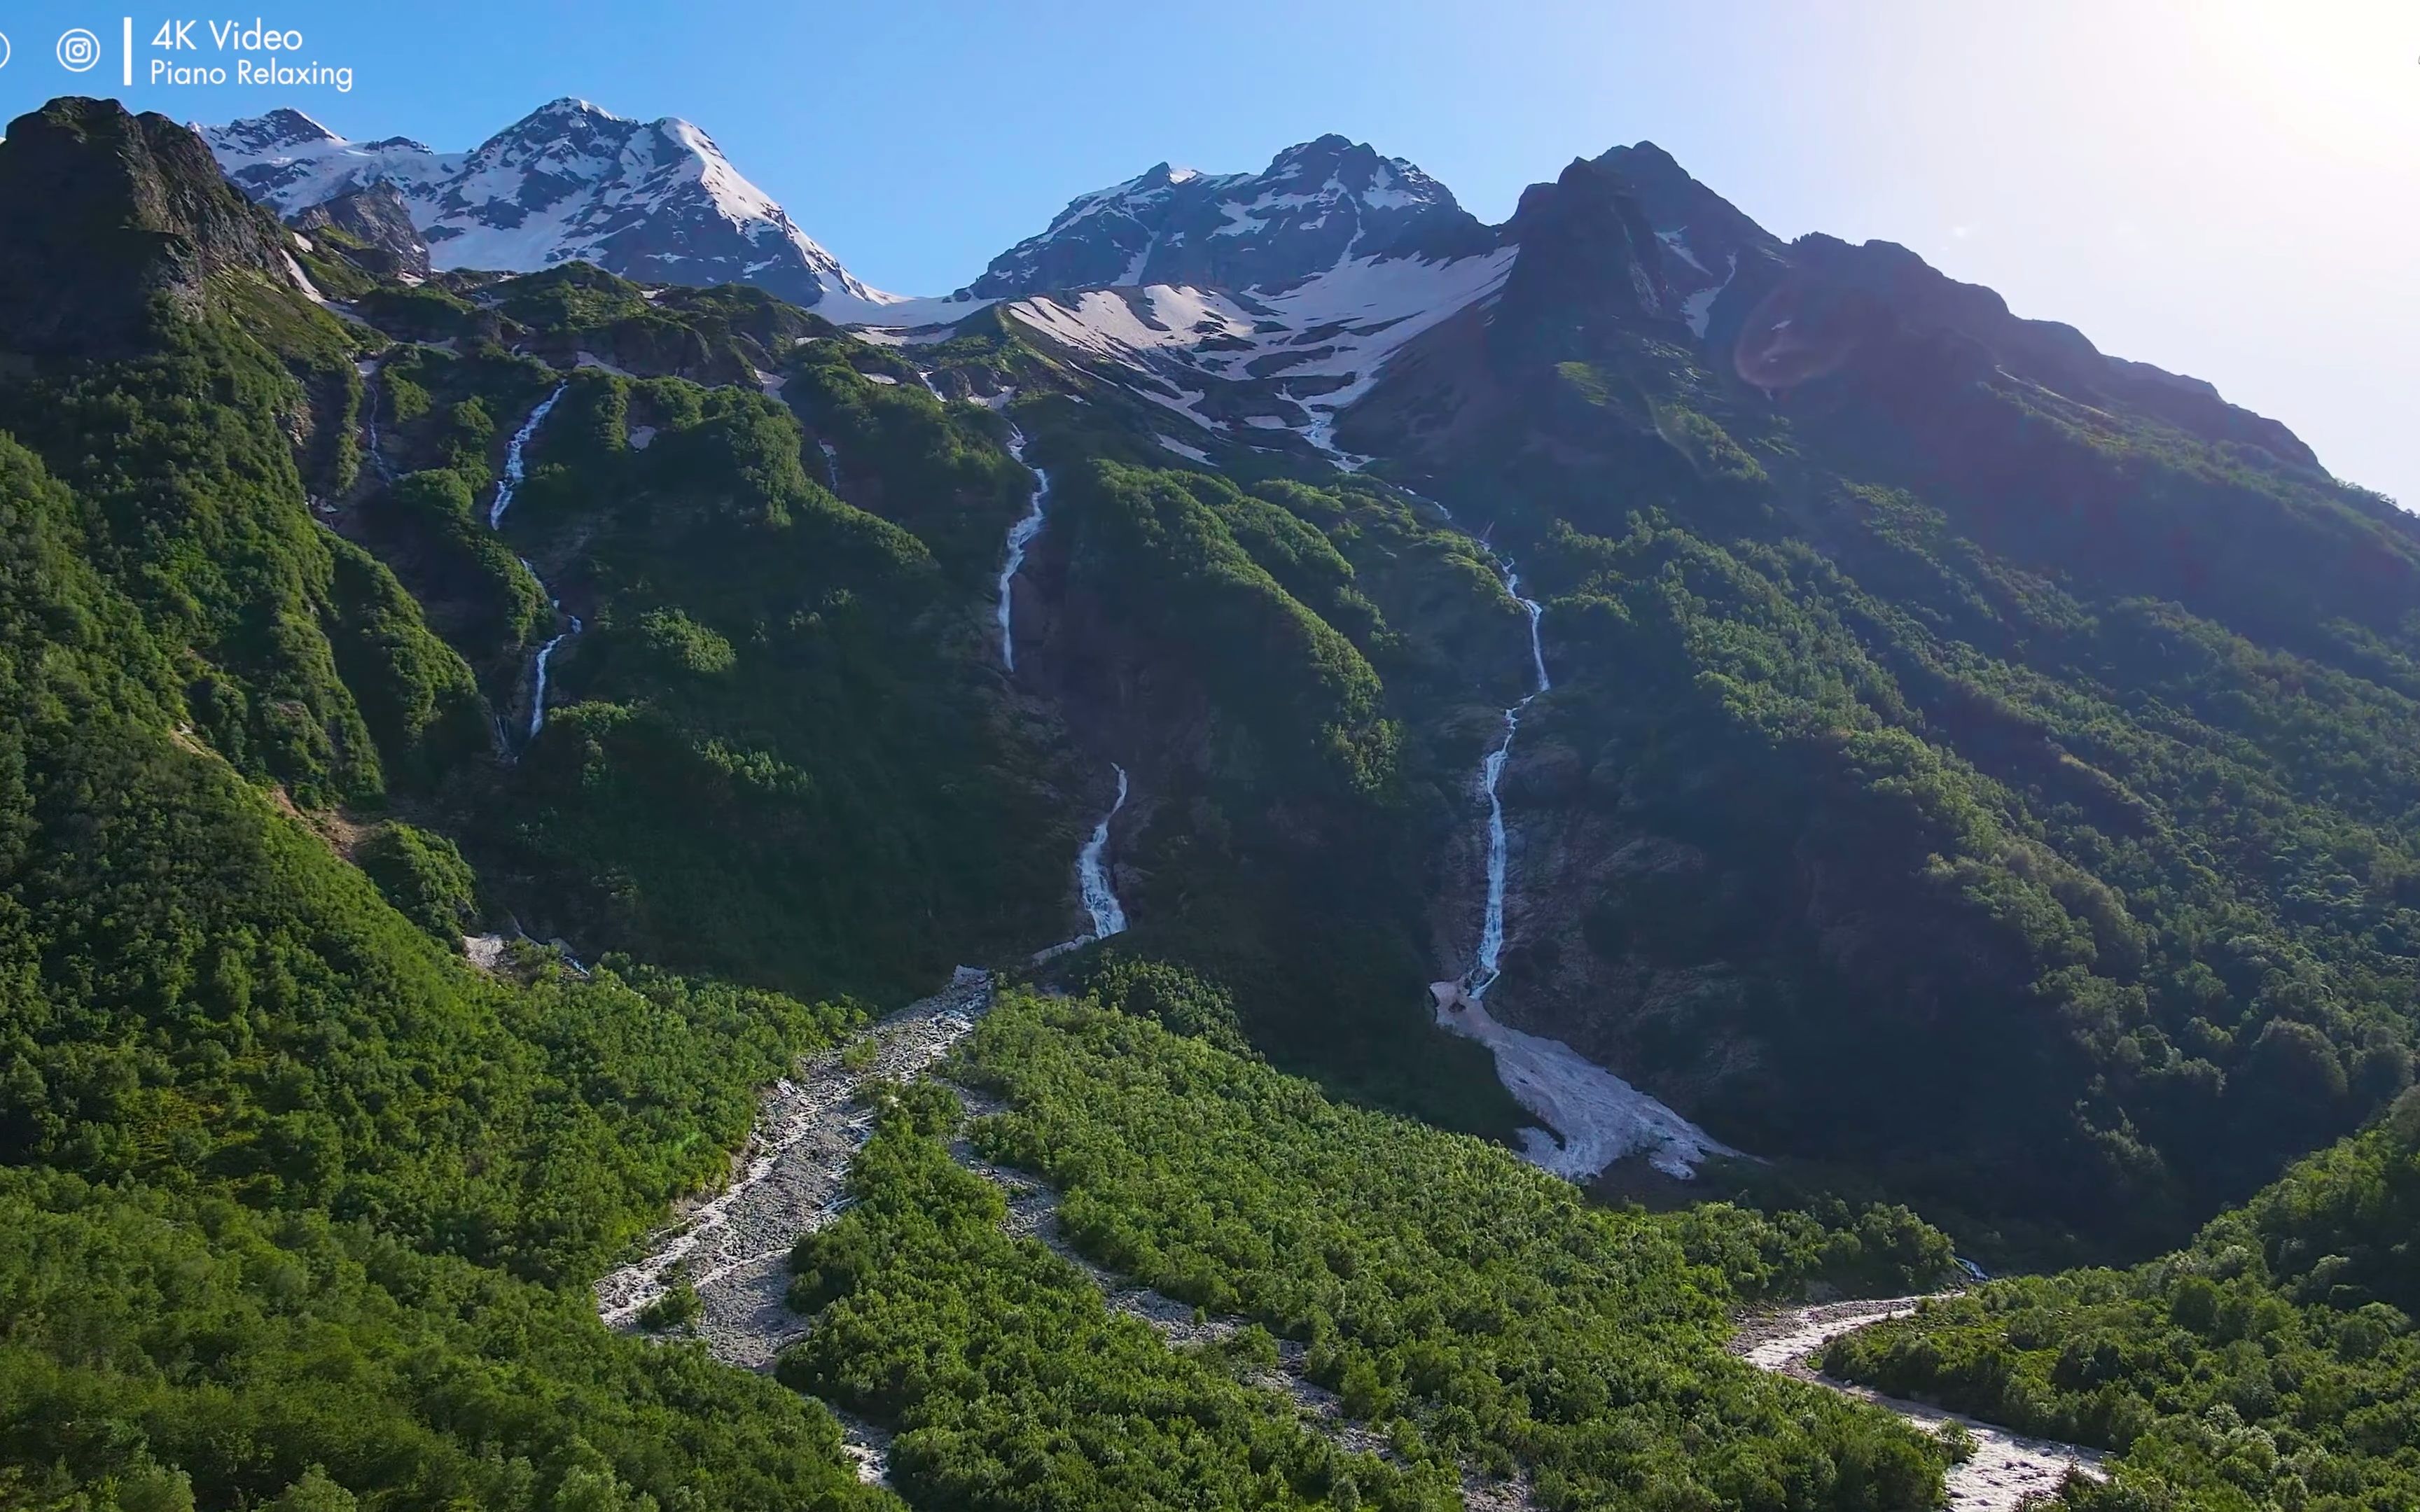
1092, 878
370, 392
1020, 536
514, 473
1537, 613
832, 465
1485, 971
537, 689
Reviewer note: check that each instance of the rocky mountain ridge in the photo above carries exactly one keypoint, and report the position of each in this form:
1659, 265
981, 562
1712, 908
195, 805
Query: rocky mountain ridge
1319, 204
654, 201
1326, 263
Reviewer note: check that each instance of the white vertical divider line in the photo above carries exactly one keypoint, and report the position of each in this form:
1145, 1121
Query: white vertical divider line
128, 34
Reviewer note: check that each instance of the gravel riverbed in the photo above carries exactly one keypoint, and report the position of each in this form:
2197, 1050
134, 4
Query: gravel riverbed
2005, 1468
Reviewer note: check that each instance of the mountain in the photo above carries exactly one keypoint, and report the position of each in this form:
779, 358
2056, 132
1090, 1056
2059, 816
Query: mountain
336, 660
653, 200
1501, 796
1927, 686
376, 217
1317, 204
137, 216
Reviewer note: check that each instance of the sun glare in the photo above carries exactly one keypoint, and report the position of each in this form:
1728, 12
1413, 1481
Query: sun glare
2340, 75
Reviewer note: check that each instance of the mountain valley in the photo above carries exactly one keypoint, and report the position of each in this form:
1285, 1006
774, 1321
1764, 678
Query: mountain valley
1479, 799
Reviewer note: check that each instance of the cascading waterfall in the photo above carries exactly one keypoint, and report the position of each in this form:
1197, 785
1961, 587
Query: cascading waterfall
1092, 878
1020, 536
515, 473
1595, 1118
370, 390
1484, 971
1093, 883
832, 465
537, 680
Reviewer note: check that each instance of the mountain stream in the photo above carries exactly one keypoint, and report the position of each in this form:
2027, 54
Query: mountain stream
516, 472
1020, 536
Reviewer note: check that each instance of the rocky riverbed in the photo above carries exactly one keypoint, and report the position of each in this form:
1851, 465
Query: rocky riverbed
734, 1248
2005, 1468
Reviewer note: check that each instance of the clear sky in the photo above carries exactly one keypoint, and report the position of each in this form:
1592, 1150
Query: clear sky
2227, 189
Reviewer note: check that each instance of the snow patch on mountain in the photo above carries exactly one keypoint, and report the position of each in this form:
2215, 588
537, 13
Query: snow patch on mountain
1286, 361
654, 201
1318, 203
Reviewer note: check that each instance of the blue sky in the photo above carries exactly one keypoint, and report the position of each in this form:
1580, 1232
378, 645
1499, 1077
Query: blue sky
2230, 190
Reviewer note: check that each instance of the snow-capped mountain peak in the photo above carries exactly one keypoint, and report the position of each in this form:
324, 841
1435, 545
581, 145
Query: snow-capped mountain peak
1317, 204
281, 130
656, 201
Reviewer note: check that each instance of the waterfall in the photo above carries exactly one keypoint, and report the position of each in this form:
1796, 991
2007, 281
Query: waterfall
1092, 878
1537, 613
1020, 536
831, 466
1594, 1116
538, 687
514, 473
369, 372
1484, 969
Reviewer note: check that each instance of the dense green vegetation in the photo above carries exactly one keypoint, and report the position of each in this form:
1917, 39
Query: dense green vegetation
2273, 1364
766, 755
1993, 793
279, 1158
292, 652
299, 1207
164, 1351
2150, 969
1016, 1385
776, 751
1291, 672
1474, 1313
1981, 796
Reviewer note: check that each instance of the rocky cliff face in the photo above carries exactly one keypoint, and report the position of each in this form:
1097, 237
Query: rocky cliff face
105, 213
1892, 324
378, 220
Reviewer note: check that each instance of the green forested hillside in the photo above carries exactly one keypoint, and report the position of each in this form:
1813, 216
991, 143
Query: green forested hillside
1477, 1316
299, 1204
1299, 671
290, 1184
1970, 792
2001, 793
2272, 1363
